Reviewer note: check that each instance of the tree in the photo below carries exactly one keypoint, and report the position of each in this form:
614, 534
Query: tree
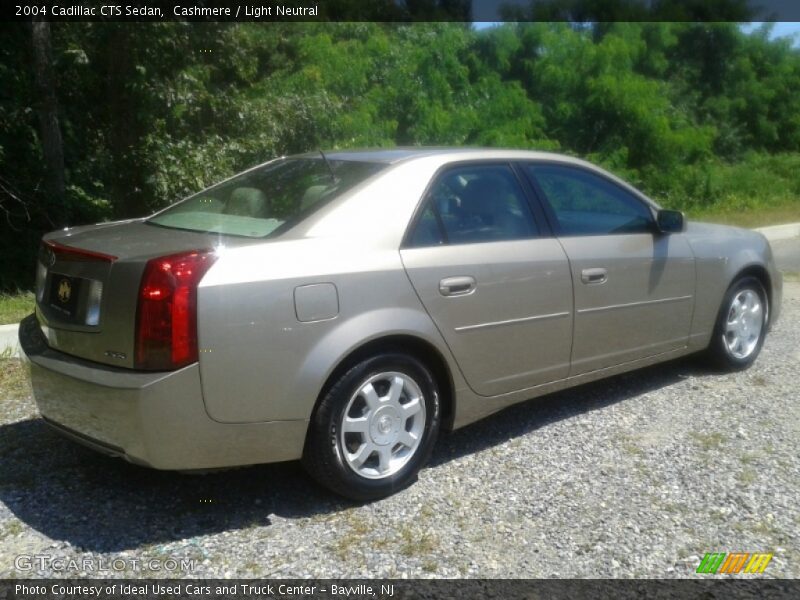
47, 109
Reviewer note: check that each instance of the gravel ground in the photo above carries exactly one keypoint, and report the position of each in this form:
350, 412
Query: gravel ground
636, 476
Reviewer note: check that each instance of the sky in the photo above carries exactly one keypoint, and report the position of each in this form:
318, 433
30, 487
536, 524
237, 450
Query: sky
782, 29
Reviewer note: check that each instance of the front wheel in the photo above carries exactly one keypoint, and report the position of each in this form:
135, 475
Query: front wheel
375, 427
741, 325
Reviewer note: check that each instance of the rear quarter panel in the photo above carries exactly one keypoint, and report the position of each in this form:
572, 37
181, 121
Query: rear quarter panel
258, 361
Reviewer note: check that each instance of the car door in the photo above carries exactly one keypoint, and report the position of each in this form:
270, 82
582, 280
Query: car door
634, 287
497, 286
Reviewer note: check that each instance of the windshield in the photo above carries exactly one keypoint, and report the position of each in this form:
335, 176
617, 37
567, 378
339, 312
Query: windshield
267, 200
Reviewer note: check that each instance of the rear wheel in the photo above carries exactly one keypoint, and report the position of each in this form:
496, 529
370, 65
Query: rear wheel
741, 325
374, 428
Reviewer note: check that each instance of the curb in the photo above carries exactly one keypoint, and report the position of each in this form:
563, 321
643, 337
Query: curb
8, 339
780, 232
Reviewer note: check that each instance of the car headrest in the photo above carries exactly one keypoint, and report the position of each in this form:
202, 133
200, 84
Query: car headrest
482, 196
247, 202
312, 195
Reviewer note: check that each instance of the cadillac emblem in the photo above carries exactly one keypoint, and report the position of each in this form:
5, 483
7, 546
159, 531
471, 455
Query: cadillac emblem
64, 290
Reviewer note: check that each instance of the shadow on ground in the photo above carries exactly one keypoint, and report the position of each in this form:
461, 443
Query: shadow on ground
529, 416
102, 504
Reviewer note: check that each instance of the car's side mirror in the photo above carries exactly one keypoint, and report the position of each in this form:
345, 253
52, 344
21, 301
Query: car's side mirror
669, 221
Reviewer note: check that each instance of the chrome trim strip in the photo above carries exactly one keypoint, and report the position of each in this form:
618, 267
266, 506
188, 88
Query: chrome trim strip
512, 321
631, 304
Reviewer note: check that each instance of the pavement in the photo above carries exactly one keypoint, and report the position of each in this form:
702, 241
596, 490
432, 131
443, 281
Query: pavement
785, 241
781, 232
8, 339
787, 254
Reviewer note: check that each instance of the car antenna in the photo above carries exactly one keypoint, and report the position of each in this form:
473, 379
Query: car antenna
330, 166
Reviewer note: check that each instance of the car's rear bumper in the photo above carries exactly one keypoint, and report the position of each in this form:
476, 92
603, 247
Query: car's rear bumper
154, 419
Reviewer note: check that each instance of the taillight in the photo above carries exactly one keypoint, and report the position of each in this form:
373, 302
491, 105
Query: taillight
166, 319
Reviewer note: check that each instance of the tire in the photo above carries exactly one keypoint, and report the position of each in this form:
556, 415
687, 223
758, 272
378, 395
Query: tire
375, 427
736, 341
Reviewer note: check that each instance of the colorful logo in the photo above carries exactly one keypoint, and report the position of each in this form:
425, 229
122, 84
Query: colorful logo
734, 562
64, 290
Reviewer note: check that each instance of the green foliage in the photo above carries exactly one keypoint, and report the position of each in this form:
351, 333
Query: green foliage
701, 116
756, 182
15, 307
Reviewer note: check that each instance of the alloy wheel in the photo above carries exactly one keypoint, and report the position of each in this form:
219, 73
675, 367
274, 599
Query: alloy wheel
744, 324
382, 425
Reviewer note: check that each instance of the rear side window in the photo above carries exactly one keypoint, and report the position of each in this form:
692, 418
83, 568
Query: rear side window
267, 200
587, 204
474, 204
428, 231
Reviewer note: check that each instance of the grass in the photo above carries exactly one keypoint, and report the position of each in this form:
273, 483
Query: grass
754, 191
14, 307
410, 542
747, 476
632, 449
749, 218
748, 458
12, 528
16, 396
708, 441
14, 380
344, 546
414, 543
430, 566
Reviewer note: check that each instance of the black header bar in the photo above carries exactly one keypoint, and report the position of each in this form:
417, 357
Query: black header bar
402, 10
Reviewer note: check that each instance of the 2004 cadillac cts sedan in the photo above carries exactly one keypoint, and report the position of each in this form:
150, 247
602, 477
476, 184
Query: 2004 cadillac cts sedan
341, 309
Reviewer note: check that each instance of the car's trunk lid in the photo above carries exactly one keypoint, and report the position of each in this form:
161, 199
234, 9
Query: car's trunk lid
88, 282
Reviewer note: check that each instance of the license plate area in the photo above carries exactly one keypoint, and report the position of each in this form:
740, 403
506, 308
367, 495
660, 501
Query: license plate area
64, 298
72, 300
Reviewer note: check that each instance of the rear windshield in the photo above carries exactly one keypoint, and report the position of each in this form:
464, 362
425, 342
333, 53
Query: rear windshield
268, 200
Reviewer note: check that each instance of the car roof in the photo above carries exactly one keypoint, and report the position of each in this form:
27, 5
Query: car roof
445, 155
401, 154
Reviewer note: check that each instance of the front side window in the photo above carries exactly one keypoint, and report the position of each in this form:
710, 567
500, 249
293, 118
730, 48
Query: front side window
587, 204
268, 200
473, 204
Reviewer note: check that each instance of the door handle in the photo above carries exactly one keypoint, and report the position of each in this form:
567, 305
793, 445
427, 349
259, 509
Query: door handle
594, 275
457, 286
